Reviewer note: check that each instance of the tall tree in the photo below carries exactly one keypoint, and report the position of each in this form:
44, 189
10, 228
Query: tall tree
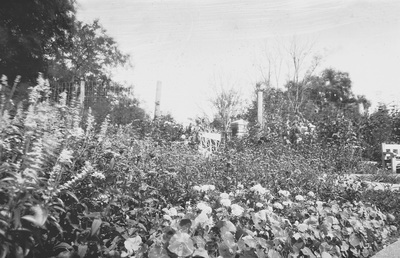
31, 32
93, 55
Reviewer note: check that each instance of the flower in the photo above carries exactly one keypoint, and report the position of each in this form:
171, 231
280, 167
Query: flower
240, 186
224, 196
287, 202
167, 217
170, 212
311, 194
259, 189
225, 202
205, 188
259, 205
299, 198
277, 205
237, 210
197, 188
204, 207
133, 244
98, 175
65, 156
77, 132
284, 193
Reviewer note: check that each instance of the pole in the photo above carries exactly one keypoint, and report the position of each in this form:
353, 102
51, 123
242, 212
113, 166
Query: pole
260, 107
157, 111
82, 95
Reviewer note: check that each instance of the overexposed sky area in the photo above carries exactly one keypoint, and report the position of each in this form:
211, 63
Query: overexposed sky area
185, 44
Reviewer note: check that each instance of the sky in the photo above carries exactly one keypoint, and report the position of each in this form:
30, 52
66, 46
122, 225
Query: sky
193, 47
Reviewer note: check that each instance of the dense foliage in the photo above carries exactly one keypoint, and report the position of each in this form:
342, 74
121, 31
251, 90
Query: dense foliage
142, 190
32, 34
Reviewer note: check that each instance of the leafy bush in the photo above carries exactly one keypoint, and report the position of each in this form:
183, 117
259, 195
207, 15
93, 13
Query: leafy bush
69, 190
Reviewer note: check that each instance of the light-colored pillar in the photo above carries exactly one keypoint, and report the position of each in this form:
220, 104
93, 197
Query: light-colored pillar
260, 107
82, 95
157, 111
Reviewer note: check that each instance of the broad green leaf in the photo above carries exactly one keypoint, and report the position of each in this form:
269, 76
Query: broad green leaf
354, 240
95, 227
225, 251
307, 251
181, 244
82, 249
158, 251
273, 254
325, 255
296, 236
201, 253
39, 217
302, 227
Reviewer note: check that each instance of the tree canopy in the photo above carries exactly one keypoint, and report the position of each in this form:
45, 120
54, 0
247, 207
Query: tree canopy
31, 33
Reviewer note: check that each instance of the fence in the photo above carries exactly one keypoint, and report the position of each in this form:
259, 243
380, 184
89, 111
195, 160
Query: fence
88, 92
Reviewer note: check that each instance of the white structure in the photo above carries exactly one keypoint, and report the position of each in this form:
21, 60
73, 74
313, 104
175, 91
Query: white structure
239, 128
391, 155
209, 142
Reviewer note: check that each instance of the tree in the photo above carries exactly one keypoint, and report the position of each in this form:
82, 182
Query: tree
31, 33
92, 56
227, 103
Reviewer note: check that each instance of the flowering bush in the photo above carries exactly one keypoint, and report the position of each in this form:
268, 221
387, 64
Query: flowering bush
69, 190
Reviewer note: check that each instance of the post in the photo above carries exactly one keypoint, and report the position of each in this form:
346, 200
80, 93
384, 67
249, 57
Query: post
157, 111
260, 107
361, 109
82, 95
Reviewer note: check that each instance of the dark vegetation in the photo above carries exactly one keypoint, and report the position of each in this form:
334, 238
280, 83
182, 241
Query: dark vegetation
108, 181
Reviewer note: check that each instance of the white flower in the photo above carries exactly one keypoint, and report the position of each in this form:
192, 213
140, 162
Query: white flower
205, 188
225, 202
299, 198
287, 203
259, 205
240, 186
311, 194
277, 205
204, 207
197, 188
259, 189
284, 193
133, 244
224, 196
171, 212
65, 156
203, 220
167, 217
77, 132
237, 210
98, 175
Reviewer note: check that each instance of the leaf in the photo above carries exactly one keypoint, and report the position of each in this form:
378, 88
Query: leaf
200, 253
82, 249
39, 217
325, 255
307, 251
63, 245
225, 251
354, 240
302, 227
273, 254
250, 241
157, 251
95, 227
181, 244
296, 236
71, 194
